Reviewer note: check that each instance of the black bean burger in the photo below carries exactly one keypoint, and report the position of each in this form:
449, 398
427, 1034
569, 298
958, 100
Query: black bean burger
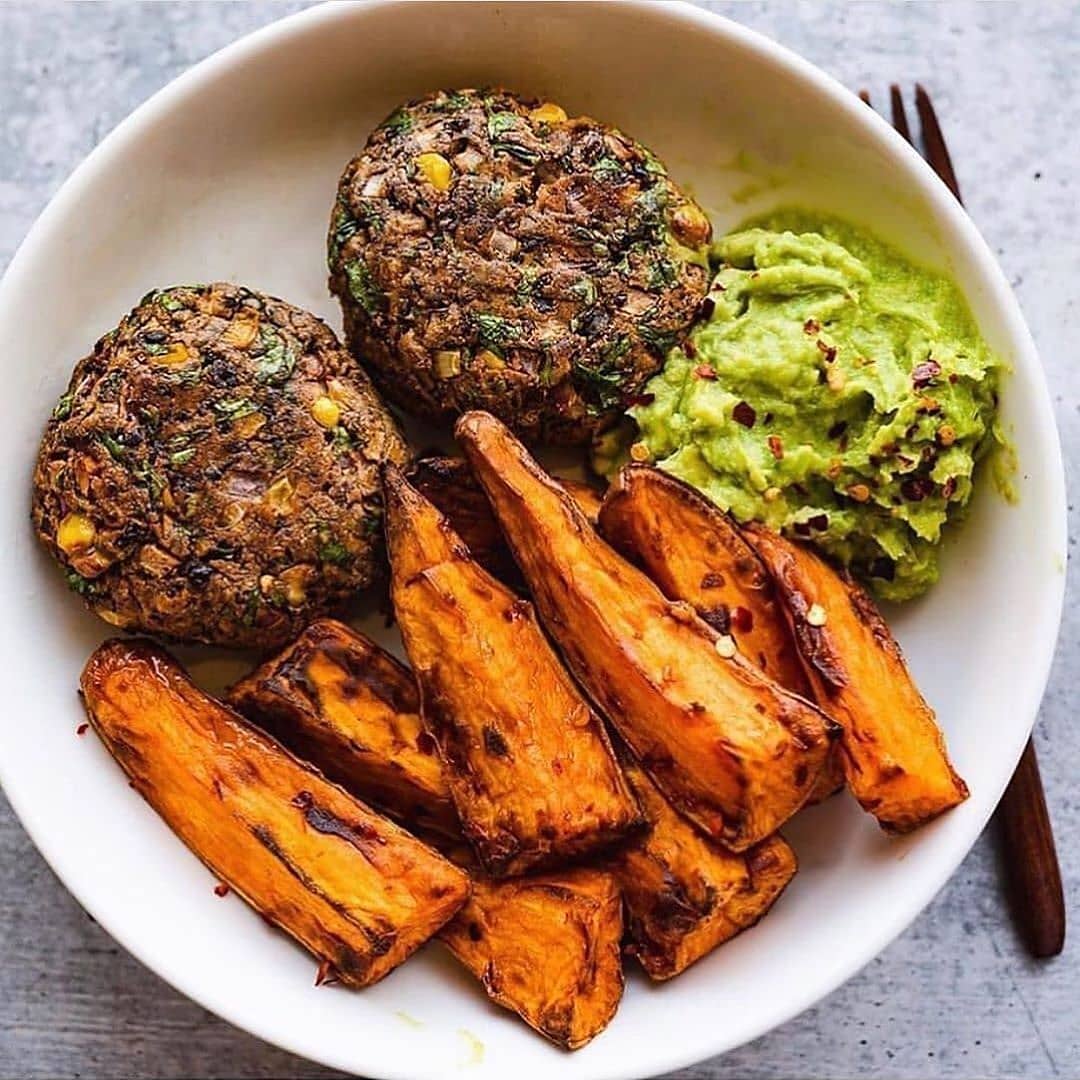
212, 473
490, 252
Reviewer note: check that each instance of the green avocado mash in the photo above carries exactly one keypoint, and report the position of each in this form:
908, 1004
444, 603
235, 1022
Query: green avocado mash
835, 390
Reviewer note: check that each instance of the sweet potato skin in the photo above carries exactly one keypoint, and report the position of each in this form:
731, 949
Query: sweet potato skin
893, 752
335, 698
685, 895
528, 762
730, 749
695, 552
548, 947
358, 891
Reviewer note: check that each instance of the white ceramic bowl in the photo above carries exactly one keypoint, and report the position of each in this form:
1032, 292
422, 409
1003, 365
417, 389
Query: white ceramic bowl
230, 173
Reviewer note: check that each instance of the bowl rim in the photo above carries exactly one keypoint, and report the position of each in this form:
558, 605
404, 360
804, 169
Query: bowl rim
689, 1051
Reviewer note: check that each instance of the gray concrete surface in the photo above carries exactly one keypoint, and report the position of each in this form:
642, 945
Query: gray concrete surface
955, 996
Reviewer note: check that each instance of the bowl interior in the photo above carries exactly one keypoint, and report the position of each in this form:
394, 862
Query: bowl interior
230, 174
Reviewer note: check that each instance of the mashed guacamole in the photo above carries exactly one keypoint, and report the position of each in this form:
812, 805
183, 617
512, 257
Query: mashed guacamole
834, 390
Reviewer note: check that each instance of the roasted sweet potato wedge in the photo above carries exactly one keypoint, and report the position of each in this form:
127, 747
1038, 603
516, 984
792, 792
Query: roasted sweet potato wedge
547, 947
893, 751
338, 700
529, 764
514, 924
354, 888
684, 894
730, 748
695, 552
449, 483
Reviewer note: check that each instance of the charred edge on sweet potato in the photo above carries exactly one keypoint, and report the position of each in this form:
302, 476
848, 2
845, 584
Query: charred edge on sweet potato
547, 947
730, 748
685, 895
338, 700
894, 753
529, 764
694, 552
358, 891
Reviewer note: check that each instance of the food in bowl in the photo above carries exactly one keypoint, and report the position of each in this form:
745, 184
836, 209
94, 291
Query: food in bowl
212, 472
731, 749
685, 895
338, 700
486, 750
893, 752
491, 252
354, 888
836, 391
544, 945
548, 946
528, 761
487, 249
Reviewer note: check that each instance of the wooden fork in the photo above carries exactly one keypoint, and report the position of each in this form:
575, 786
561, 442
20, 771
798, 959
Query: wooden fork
1031, 862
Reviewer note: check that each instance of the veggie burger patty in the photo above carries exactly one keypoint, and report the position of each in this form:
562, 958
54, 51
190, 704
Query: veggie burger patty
490, 252
212, 473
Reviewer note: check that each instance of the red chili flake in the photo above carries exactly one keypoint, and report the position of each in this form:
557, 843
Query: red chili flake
221, 890
703, 371
82, 729
706, 308
326, 974
837, 429
689, 348
828, 351
744, 414
954, 378
925, 373
776, 447
819, 522
742, 619
811, 326
641, 399
948, 489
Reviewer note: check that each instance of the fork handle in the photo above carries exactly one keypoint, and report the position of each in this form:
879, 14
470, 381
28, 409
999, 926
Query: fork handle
1031, 863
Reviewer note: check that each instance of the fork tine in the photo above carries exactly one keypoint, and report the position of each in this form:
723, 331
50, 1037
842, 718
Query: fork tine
899, 113
937, 153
